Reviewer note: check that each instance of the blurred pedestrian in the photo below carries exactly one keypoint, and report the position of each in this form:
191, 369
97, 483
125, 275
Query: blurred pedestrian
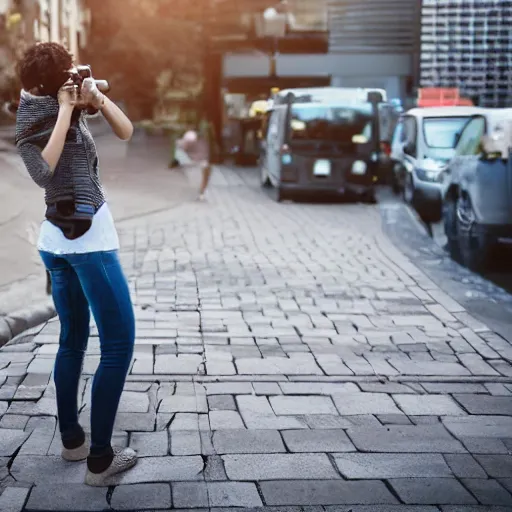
79, 246
196, 150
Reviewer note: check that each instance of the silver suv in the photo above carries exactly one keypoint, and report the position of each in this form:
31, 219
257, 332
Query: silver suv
477, 189
423, 143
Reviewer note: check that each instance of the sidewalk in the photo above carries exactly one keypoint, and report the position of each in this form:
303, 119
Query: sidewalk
137, 183
288, 356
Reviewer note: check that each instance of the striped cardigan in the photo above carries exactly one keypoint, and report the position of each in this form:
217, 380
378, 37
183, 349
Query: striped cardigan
77, 172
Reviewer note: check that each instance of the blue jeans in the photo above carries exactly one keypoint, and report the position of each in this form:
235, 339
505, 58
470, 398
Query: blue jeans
81, 281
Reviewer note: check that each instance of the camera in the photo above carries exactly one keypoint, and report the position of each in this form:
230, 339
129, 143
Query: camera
78, 75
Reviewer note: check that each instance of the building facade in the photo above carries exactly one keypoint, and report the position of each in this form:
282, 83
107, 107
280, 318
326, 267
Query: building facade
374, 43
64, 21
468, 44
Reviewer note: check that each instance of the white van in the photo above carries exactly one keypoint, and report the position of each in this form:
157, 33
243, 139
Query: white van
423, 143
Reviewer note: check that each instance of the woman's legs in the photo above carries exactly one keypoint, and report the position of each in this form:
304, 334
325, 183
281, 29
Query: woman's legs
206, 171
106, 289
73, 311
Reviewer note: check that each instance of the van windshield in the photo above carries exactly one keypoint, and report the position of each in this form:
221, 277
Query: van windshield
443, 132
339, 123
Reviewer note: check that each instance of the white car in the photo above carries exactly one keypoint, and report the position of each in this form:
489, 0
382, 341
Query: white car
423, 144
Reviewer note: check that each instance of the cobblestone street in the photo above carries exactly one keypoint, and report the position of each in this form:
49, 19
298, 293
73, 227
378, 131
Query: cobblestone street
287, 355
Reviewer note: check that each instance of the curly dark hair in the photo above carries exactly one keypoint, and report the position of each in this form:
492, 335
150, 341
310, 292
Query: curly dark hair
45, 66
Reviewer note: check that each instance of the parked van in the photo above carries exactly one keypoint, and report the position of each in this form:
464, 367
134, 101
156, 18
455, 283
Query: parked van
322, 140
423, 143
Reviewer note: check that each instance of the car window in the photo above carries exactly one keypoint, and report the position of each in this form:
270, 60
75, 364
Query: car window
471, 138
410, 133
273, 125
397, 136
443, 132
331, 122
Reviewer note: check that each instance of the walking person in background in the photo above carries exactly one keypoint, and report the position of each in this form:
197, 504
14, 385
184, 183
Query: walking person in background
196, 150
79, 246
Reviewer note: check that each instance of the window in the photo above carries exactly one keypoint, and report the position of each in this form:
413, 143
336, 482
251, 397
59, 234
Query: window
399, 133
331, 122
443, 132
471, 137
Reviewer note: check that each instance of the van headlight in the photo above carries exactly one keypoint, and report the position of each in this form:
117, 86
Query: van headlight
359, 167
430, 175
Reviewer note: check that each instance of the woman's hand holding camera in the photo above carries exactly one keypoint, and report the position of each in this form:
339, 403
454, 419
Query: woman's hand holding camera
68, 96
91, 95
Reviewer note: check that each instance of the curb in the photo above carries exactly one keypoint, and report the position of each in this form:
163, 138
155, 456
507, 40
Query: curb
20, 321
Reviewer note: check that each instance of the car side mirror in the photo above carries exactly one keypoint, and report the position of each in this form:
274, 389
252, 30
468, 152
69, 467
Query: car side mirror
410, 148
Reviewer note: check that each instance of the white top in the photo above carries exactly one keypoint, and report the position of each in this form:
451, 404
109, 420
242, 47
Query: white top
101, 236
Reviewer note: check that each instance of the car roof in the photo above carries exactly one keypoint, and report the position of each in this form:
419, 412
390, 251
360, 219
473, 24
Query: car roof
443, 111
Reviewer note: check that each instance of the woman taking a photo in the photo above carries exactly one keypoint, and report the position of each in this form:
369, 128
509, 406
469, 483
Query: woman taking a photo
79, 246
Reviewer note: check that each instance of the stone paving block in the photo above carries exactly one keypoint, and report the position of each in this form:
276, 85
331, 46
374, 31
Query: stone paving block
381, 508
267, 388
161, 469
220, 420
141, 497
394, 419
216, 494
221, 403
185, 442
367, 466
7, 392
295, 365
228, 388
187, 421
13, 499
14, 422
330, 422
327, 492
496, 466
388, 387
186, 364
483, 404
428, 368
476, 508
404, 439
293, 405
44, 407
451, 388
46, 470
309, 441
149, 444
11, 440
484, 445
428, 405
365, 403
488, 492
182, 403
317, 388
279, 467
476, 364
464, 466
247, 441
479, 426
134, 402
43, 431
428, 491
67, 497
497, 389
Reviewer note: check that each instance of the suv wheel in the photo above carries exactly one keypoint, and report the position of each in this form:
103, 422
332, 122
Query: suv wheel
475, 244
409, 192
450, 228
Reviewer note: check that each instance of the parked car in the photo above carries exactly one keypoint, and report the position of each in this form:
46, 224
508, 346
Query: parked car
322, 140
477, 189
423, 143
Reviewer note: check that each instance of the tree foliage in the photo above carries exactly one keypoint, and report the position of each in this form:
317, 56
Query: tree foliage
147, 49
